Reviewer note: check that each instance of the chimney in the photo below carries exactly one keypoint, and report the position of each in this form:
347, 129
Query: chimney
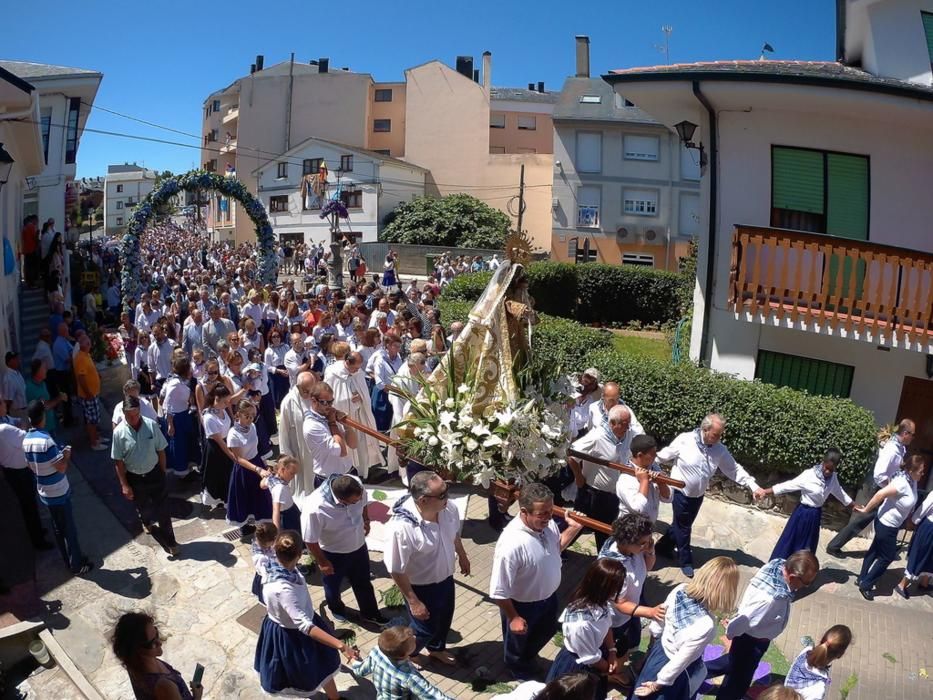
531, 86
487, 71
583, 56
476, 75
252, 68
259, 62
464, 66
323, 64
540, 86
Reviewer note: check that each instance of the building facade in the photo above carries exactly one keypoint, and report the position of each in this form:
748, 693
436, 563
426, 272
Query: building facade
124, 187
816, 262
66, 96
625, 190
294, 188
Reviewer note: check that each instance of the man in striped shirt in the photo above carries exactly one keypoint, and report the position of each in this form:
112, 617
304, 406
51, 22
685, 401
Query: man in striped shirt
49, 463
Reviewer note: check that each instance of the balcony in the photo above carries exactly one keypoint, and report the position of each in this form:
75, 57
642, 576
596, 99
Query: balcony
587, 216
231, 115
835, 286
229, 146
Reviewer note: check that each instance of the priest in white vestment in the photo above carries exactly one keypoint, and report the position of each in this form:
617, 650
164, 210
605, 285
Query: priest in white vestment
351, 395
406, 379
291, 438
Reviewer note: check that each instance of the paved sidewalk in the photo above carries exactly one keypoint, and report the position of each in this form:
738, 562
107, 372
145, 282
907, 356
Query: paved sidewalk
199, 599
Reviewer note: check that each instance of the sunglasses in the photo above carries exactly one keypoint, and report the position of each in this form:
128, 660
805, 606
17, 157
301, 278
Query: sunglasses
441, 496
325, 402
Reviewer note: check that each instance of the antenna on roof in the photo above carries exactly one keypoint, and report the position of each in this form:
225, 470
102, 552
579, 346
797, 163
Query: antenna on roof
767, 48
666, 48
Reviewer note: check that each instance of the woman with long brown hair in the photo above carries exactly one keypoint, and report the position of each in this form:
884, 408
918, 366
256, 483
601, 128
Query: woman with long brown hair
809, 674
136, 642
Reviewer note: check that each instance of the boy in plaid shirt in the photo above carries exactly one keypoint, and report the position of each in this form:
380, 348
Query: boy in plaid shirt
393, 674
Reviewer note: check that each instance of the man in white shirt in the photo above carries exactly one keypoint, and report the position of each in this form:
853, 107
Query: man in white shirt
296, 403
44, 349
423, 540
334, 525
160, 355
889, 462
131, 388
297, 359
696, 456
587, 394
14, 385
329, 443
20, 479
641, 493
596, 485
599, 410
762, 615
526, 572
383, 366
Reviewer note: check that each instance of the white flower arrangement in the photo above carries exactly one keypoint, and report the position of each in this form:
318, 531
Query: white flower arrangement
518, 443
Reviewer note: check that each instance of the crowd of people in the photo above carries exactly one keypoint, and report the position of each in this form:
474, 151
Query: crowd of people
243, 389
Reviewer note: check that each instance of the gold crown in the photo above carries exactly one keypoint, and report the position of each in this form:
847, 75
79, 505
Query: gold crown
519, 247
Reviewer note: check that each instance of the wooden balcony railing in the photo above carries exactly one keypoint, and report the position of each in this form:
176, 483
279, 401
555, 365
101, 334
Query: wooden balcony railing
837, 282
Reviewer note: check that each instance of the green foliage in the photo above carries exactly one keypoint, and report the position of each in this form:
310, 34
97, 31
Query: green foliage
457, 220
553, 285
467, 287
452, 310
848, 686
559, 345
658, 348
626, 293
392, 597
770, 427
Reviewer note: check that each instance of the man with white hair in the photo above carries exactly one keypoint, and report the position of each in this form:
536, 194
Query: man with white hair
696, 455
599, 410
291, 440
456, 328
351, 395
596, 485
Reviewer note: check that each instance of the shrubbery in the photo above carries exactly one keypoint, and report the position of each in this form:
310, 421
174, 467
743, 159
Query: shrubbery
769, 428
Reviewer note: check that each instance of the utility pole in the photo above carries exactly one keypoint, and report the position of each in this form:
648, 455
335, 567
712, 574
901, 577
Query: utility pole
521, 197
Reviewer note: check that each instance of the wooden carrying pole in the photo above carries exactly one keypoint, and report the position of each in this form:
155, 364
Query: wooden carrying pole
366, 430
597, 525
657, 477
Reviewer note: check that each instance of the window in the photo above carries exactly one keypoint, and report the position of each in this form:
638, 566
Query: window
588, 201
689, 214
815, 376
820, 192
281, 171
71, 134
310, 166
527, 122
383, 95
689, 163
119, 204
119, 221
640, 147
216, 106
352, 199
640, 202
927, 18
279, 203
581, 254
382, 125
211, 165
119, 188
346, 164
642, 259
46, 132
496, 120
590, 99
589, 152
497, 149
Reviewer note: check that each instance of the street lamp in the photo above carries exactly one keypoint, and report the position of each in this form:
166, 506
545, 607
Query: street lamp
686, 130
6, 166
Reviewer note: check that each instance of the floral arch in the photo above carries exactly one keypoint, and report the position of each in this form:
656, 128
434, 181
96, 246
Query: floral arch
189, 182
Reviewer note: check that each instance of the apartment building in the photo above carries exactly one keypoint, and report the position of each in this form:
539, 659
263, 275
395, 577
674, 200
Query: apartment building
369, 184
816, 261
521, 121
625, 190
124, 187
65, 96
272, 110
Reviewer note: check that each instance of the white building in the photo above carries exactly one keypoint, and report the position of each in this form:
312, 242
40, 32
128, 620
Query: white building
125, 186
66, 96
625, 190
20, 158
370, 184
816, 259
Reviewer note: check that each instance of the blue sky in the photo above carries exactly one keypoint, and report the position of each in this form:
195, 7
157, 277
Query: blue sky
160, 60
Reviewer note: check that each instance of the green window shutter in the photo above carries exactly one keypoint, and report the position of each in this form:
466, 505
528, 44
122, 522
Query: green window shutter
847, 196
814, 376
928, 31
797, 180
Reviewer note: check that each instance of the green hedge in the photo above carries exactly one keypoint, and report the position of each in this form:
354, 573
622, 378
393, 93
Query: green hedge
605, 294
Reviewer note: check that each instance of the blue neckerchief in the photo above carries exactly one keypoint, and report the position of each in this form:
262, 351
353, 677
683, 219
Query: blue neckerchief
257, 549
704, 448
610, 552
686, 610
770, 579
587, 614
607, 431
241, 429
277, 572
273, 480
818, 470
403, 513
327, 492
801, 675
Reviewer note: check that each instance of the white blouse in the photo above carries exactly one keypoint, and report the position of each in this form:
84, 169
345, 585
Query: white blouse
814, 491
895, 510
289, 604
585, 631
216, 424
248, 443
681, 646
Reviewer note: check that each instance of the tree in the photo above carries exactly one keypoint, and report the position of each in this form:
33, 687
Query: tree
456, 221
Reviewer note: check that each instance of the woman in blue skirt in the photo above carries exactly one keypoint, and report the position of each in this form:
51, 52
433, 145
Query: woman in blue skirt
246, 500
175, 399
274, 359
815, 485
285, 512
920, 554
297, 653
674, 668
388, 269
587, 626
